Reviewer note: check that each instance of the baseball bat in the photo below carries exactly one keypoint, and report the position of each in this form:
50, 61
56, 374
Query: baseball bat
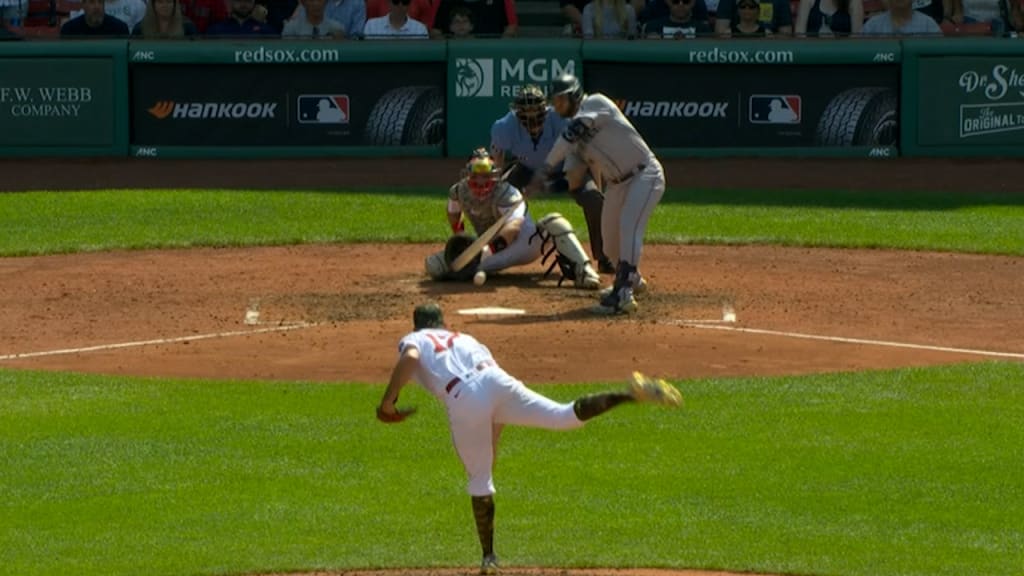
478, 245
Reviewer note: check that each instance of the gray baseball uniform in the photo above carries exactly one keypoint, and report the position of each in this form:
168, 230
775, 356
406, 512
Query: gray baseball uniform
633, 179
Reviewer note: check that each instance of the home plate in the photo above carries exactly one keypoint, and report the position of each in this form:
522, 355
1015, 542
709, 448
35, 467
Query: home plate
492, 311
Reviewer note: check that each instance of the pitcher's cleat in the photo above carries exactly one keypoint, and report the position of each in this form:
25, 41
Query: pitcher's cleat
489, 564
654, 391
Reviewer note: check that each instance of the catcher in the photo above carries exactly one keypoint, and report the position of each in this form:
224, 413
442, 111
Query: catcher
484, 198
480, 398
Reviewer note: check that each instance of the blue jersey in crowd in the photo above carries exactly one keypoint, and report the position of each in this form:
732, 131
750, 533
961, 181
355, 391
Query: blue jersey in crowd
508, 135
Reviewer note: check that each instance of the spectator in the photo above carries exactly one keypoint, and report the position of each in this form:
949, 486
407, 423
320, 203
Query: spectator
128, 11
461, 23
94, 21
204, 13
350, 14
311, 21
748, 25
829, 17
396, 24
573, 12
11, 12
241, 22
279, 11
650, 10
939, 10
163, 20
900, 20
680, 22
490, 17
419, 10
1015, 16
979, 11
774, 16
609, 19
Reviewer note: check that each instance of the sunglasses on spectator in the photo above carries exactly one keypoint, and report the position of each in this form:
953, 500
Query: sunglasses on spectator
402, 2
678, 2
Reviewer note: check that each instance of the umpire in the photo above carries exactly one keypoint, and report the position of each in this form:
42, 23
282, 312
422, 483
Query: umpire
526, 135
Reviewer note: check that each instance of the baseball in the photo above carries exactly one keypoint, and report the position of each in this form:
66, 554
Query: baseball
479, 278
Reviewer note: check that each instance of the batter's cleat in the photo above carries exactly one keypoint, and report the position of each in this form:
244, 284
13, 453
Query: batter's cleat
654, 391
639, 289
620, 301
605, 266
588, 279
489, 564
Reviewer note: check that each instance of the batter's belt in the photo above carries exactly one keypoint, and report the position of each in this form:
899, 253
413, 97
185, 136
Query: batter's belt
625, 177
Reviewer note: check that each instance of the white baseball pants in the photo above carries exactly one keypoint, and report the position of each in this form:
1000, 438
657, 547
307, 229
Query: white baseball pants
521, 251
478, 407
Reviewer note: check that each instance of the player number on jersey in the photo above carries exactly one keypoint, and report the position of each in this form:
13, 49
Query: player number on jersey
442, 345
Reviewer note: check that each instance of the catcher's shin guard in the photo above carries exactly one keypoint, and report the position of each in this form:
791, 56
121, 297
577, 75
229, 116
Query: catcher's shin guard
571, 259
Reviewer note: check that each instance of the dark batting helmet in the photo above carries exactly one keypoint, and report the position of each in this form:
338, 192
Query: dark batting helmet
569, 85
531, 107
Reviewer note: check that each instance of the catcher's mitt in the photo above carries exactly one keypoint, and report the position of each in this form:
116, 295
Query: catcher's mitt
456, 245
394, 417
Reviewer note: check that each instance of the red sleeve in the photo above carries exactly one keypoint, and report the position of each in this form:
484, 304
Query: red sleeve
510, 13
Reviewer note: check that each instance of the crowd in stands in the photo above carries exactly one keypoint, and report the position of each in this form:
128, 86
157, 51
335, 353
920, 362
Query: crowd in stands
453, 19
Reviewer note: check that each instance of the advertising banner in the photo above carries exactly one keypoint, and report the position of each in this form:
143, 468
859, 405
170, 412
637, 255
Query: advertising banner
485, 75
971, 101
57, 102
360, 104
681, 106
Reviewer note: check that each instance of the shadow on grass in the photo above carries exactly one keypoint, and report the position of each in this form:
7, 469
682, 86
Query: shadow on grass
836, 199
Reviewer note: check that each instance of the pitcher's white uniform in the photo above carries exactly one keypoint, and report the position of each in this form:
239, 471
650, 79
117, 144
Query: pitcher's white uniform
477, 394
633, 179
482, 212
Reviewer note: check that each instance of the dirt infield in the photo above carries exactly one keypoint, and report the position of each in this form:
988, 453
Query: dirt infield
335, 312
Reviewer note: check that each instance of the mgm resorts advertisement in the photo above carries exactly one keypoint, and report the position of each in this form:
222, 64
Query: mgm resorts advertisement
351, 104
695, 106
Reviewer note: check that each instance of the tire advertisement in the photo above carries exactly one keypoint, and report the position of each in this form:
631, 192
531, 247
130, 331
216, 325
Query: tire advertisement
351, 104
806, 106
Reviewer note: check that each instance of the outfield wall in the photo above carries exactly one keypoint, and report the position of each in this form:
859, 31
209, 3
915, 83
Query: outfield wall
250, 99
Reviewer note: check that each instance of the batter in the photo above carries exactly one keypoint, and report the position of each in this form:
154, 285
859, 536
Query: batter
633, 179
480, 398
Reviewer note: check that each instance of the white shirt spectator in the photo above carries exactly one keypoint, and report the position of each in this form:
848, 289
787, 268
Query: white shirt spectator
128, 11
381, 28
881, 25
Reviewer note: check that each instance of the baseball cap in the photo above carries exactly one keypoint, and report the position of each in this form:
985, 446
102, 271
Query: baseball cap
428, 315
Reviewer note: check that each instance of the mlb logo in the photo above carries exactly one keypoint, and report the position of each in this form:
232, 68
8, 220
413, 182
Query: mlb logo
774, 109
323, 109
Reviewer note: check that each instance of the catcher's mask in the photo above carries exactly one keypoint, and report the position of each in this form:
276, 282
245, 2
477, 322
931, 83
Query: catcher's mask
481, 173
531, 107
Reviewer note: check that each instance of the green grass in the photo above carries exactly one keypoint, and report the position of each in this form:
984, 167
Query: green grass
49, 222
897, 473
